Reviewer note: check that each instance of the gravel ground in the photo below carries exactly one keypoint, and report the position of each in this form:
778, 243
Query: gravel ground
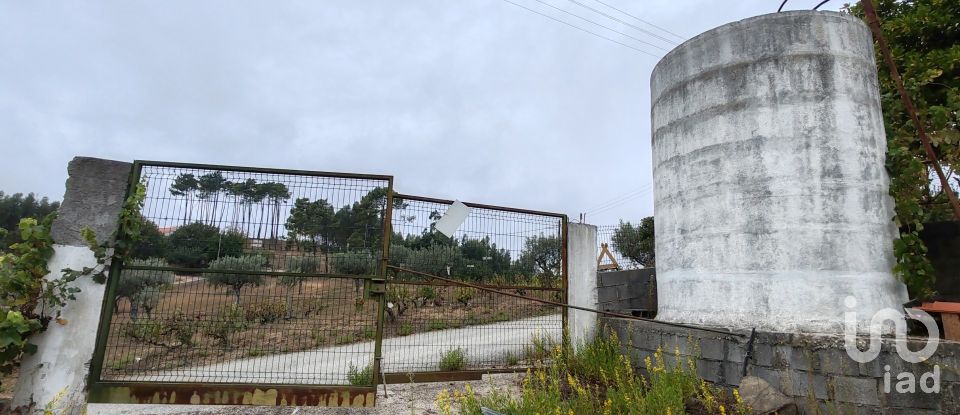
411, 398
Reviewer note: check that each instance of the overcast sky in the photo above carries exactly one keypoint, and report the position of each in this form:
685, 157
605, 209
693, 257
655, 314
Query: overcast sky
477, 100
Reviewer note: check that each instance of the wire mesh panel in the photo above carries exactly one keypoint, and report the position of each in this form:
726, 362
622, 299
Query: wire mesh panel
438, 326
248, 276
619, 261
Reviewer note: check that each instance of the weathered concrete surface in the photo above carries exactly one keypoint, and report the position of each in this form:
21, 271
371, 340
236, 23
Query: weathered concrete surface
57, 372
581, 280
770, 190
95, 192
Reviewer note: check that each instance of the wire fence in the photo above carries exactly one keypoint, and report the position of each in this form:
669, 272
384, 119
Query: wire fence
247, 275
257, 276
439, 326
619, 261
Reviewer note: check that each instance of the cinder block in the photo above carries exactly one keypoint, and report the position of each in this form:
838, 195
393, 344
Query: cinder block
835, 361
804, 359
782, 357
871, 368
863, 391
950, 401
807, 384
762, 354
735, 351
608, 294
771, 376
732, 373
647, 340
712, 349
916, 400
710, 370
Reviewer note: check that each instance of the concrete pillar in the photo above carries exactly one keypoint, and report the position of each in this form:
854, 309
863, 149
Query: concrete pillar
581, 281
770, 190
56, 375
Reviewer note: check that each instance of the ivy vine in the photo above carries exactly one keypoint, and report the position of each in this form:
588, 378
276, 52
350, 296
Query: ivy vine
28, 300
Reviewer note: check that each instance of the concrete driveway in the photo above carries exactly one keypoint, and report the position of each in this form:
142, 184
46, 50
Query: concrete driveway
485, 346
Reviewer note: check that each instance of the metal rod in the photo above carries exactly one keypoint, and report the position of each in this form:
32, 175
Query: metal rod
874, 23
564, 281
503, 287
381, 296
556, 303
749, 354
262, 170
479, 205
184, 270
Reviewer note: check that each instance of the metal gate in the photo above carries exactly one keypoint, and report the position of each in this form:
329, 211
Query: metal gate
443, 330
248, 286
277, 287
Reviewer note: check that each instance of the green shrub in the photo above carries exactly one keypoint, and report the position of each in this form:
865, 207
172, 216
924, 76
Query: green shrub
255, 351
229, 321
464, 295
369, 333
597, 378
405, 329
183, 328
426, 292
539, 349
197, 245
122, 362
265, 312
151, 243
437, 325
452, 360
358, 377
146, 330
353, 263
345, 339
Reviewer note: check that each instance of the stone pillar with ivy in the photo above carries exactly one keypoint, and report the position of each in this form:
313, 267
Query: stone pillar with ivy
53, 377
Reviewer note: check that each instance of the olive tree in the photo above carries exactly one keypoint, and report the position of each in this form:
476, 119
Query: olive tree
236, 273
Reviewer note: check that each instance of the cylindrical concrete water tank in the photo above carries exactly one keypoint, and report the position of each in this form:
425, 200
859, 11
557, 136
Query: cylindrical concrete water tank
770, 192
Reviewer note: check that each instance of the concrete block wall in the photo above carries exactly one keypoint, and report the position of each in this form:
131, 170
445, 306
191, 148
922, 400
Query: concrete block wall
628, 291
813, 369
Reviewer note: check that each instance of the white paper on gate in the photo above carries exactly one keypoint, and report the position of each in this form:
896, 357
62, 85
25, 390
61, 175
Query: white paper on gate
453, 218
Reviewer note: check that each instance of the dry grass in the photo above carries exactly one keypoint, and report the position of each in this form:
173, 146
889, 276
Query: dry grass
325, 312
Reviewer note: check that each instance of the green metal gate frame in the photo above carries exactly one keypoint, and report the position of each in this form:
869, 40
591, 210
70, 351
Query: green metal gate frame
476, 374
235, 393
222, 393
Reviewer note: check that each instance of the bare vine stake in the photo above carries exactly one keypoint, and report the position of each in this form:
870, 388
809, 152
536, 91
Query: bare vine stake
874, 23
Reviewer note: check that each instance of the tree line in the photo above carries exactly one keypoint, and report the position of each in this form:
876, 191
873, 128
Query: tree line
19, 206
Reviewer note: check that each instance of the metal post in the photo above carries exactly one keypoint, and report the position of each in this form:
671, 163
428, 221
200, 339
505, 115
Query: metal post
109, 295
381, 296
874, 23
